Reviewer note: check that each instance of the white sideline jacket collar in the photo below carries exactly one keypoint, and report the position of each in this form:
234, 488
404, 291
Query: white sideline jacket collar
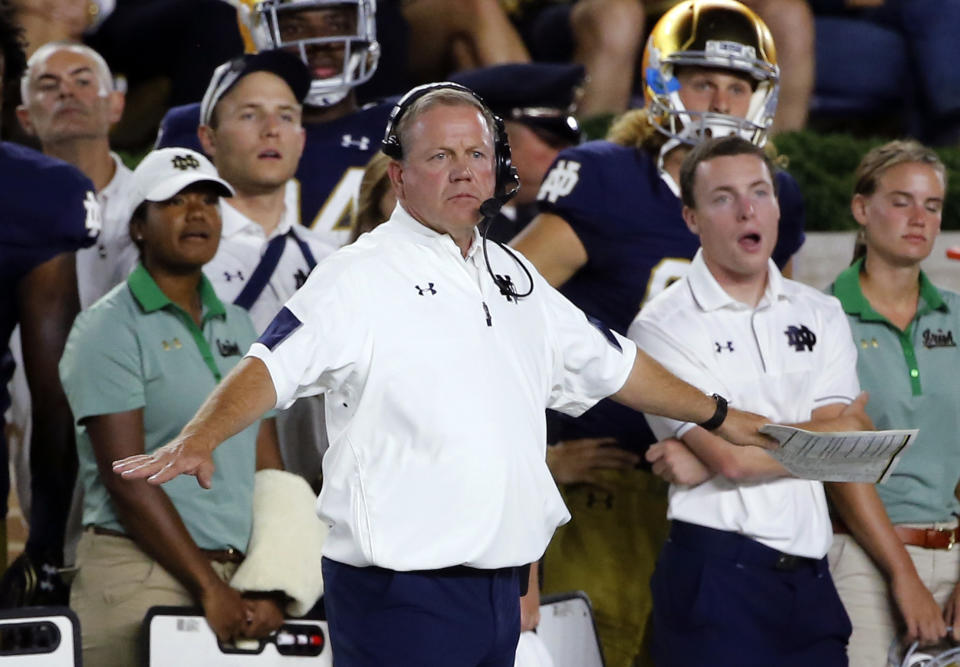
407, 223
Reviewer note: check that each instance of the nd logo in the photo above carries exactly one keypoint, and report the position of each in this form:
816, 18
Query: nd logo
561, 181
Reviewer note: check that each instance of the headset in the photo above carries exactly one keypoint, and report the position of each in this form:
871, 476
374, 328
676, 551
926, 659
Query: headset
508, 182
507, 178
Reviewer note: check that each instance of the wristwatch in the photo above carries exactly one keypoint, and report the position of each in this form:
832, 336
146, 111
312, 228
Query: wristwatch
718, 416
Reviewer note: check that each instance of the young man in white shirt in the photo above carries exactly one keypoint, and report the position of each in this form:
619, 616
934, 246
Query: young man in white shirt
743, 577
251, 127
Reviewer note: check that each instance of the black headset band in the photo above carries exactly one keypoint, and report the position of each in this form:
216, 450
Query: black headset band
391, 138
507, 180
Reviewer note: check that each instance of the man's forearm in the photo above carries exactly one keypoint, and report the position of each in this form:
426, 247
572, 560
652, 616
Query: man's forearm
739, 464
839, 417
651, 388
240, 399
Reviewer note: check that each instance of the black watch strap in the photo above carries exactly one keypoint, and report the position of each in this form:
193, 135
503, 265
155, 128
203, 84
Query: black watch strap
718, 416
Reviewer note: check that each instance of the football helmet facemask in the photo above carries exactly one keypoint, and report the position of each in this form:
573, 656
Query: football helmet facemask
274, 24
712, 34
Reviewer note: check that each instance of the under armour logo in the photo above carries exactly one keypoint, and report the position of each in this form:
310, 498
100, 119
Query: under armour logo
721, 348
48, 574
300, 277
607, 500
230, 276
184, 162
347, 140
561, 181
228, 348
94, 219
426, 290
800, 338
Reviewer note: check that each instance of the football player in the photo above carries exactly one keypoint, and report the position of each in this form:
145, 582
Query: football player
611, 236
50, 210
337, 41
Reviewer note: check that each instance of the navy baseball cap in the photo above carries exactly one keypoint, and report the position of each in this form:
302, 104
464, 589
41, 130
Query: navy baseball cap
539, 94
285, 65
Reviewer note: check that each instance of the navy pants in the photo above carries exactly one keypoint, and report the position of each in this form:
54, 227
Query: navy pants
457, 617
720, 598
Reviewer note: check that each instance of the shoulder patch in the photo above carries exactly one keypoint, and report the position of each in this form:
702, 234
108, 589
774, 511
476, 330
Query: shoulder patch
605, 330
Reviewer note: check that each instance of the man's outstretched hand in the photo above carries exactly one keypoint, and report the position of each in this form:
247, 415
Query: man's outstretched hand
184, 456
743, 428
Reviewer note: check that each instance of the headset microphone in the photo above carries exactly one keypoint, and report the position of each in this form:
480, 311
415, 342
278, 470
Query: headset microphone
489, 210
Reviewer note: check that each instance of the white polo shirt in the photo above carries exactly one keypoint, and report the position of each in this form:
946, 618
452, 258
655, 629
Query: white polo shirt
790, 355
242, 244
108, 262
435, 387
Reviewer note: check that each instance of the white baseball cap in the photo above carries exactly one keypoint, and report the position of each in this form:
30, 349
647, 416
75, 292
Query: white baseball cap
166, 171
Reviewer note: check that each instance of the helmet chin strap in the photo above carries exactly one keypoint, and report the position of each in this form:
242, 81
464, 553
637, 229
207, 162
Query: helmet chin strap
688, 136
664, 174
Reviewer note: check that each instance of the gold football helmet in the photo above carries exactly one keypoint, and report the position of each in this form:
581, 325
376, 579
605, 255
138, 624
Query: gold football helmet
710, 33
281, 24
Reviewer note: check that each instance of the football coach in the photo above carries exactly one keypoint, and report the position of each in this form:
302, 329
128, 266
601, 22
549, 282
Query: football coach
437, 356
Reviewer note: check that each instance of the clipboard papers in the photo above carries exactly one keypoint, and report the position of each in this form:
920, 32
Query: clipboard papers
850, 456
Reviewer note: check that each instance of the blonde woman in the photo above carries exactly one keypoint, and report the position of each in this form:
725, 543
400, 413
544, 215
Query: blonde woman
892, 559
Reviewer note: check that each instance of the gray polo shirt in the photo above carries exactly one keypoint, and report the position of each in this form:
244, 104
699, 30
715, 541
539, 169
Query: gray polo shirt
135, 349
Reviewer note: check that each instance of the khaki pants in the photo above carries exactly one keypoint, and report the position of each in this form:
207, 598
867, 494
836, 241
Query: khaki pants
608, 550
866, 595
116, 585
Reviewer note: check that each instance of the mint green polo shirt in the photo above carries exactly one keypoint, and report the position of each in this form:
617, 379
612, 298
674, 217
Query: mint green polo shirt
136, 349
913, 377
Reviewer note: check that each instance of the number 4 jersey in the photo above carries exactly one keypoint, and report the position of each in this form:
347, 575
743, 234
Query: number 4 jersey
330, 170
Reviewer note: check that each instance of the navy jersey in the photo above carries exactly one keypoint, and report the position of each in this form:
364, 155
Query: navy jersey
329, 172
49, 208
630, 223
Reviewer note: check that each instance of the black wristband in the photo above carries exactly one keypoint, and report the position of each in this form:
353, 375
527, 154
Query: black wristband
718, 416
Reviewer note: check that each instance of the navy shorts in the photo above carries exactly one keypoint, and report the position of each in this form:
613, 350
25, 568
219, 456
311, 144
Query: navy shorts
455, 617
